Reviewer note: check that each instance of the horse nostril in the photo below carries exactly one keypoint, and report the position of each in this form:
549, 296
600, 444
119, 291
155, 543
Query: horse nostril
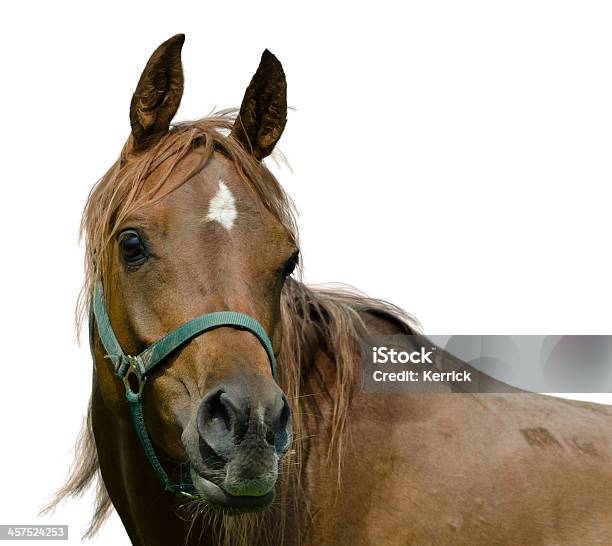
217, 422
219, 410
282, 433
214, 415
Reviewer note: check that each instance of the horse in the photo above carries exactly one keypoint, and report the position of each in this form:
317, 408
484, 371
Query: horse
253, 428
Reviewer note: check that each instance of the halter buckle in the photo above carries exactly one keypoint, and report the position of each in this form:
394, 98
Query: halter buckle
134, 369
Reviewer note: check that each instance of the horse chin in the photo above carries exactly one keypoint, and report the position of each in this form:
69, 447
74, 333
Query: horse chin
218, 499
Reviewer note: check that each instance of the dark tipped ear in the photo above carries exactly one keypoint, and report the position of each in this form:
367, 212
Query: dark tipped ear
263, 113
158, 94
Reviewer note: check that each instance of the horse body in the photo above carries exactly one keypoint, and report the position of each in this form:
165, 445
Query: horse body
464, 469
445, 468
189, 221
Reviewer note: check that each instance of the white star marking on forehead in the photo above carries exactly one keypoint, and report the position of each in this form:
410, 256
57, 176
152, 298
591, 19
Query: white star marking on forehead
222, 207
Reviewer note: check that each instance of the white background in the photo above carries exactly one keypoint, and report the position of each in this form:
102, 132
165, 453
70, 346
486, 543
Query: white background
471, 139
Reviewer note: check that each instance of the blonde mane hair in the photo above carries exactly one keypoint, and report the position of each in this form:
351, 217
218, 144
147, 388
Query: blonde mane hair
313, 320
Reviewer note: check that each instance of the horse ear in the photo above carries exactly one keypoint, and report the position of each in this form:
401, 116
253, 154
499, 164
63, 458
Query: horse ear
263, 113
158, 94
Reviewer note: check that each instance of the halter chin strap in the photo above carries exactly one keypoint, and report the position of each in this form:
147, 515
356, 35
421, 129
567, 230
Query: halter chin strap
139, 367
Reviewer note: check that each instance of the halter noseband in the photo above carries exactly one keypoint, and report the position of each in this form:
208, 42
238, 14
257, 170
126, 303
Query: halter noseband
140, 367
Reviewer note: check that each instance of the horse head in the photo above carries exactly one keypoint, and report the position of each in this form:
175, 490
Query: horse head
189, 222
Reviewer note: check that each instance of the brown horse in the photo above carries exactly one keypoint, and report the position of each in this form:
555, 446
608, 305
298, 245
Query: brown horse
190, 221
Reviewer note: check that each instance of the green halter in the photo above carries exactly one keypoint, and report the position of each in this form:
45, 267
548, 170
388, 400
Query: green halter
142, 365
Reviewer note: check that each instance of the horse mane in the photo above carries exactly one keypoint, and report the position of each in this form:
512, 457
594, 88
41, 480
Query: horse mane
312, 319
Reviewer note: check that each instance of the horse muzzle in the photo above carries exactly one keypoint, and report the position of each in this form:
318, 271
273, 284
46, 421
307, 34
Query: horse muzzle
242, 434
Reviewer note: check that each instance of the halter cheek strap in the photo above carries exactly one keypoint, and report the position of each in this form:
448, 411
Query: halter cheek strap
134, 370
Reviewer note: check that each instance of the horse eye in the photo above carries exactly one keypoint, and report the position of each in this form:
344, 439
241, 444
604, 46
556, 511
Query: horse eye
291, 263
131, 247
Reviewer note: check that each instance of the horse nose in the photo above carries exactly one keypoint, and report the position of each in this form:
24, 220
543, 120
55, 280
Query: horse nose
229, 415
